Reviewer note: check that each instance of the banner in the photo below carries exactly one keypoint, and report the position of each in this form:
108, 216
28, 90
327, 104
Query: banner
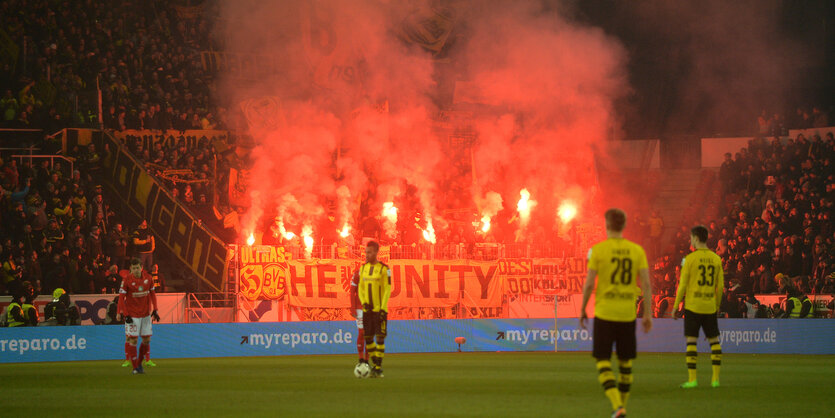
533, 284
170, 138
8, 50
267, 272
239, 188
173, 225
763, 336
428, 25
93, 308
72, 138
241, 65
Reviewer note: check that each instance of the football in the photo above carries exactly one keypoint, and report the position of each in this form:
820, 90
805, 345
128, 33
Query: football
361, 370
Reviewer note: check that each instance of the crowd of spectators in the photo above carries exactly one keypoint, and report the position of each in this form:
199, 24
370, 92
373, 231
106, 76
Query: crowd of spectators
777, 234
143, 57
803, 118
60, 231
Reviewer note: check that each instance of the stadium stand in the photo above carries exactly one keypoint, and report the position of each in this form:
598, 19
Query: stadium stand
768, 208
775, 232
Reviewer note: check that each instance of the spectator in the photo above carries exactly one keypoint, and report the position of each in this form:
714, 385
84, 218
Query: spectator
117, 243
61, 311
656, 229
112, 280
144, 245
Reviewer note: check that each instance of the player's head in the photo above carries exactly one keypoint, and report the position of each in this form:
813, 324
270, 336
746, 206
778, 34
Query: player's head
136, 267
615, 220
698, 235
371, 250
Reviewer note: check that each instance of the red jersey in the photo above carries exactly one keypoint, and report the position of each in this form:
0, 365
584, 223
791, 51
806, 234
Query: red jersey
355, 298
136, 296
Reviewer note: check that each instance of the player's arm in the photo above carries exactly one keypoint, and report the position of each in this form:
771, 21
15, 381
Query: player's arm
683, 280
153, 295
386, 290
720, 286
646, 287
120, 305
588, 287
362, 291
354, 293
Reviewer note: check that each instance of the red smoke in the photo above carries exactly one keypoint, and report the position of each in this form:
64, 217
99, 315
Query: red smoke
351, 119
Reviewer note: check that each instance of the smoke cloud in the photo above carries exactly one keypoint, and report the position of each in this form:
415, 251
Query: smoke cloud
345, 111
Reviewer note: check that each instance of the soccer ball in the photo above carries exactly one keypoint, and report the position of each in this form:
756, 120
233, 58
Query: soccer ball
362, 370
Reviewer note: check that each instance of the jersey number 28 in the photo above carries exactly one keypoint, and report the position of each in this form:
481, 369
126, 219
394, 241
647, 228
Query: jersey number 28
623, 268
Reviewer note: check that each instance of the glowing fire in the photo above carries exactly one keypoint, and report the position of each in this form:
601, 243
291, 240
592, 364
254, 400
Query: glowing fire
390, 212
429, 232
567, 211
251, 239
345, 232
285, 233
390, 219
485, 224
525, 205
307, 238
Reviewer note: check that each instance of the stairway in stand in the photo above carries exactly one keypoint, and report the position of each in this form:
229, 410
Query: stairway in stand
677, 198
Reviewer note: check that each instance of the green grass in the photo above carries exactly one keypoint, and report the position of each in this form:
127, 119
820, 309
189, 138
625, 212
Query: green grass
469, 384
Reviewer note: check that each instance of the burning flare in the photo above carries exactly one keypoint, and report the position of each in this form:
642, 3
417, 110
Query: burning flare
429, 232
251, 239
524, 206
390, 219
285, 233
345, 231
485, 224
567, 212
307, 238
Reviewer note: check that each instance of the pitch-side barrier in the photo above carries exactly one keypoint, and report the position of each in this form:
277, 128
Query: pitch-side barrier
106, 342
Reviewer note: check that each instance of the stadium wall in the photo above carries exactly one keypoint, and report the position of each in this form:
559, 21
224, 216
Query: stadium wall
754, 336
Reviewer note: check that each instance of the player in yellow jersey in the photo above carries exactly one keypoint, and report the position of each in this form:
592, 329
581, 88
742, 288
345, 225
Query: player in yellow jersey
374, 291
701, 284
617, 263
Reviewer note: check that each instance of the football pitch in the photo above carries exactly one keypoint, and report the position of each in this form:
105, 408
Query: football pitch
458, 384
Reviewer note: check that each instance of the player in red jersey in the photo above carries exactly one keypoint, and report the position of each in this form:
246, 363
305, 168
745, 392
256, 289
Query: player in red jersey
137, 306
356, 307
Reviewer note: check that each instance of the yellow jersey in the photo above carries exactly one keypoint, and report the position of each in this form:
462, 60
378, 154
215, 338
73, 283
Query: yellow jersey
374, 289
617, 262
701, 282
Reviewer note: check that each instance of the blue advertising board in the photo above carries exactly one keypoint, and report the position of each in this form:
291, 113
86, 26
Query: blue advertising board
760, 336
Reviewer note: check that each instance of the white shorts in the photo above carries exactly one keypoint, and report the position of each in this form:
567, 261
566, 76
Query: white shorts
359, 318
139, 327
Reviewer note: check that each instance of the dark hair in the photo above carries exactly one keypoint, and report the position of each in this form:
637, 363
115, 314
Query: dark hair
700, 232
374, 244
615, 219
135, 261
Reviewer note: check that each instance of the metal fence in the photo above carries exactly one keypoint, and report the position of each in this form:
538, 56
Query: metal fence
473, 251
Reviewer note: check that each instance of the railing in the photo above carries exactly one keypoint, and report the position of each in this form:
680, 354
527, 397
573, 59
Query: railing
202, 307
51, 158
426, 251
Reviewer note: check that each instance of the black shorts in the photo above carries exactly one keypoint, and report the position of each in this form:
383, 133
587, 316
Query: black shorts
373, 323
693, 321
607, 333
